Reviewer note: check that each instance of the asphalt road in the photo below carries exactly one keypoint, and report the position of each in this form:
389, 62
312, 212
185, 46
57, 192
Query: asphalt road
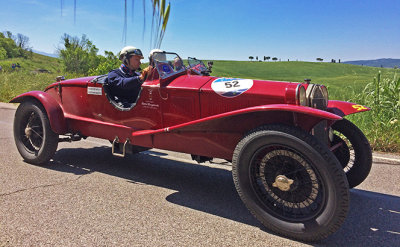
87, 197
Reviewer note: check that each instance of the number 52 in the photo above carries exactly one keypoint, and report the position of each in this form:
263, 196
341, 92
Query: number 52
230, 84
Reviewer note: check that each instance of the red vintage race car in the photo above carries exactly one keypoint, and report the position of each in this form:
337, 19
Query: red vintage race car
294, 156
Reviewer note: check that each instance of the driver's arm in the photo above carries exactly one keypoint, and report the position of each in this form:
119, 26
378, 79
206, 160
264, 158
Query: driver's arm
124, 83
145, 72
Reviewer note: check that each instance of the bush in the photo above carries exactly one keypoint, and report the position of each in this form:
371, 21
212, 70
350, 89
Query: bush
80, 56
3, 53
382, 123
107, 63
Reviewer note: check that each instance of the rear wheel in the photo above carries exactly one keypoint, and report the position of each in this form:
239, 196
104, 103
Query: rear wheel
290, 183
35, 140
352, 149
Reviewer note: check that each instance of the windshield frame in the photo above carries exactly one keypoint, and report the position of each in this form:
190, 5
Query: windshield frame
165, 67
192, 67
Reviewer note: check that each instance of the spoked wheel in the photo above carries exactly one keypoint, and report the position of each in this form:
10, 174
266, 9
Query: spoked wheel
352, 149
35, 140
287, 184
290, 183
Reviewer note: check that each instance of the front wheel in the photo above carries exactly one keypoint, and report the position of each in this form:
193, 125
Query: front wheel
35, 140
352, 149
293, 185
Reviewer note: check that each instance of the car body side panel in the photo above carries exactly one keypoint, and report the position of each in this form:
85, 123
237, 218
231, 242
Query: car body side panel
88, 111
180, 99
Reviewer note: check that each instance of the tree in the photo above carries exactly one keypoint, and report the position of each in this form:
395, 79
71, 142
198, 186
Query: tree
9, 35
251, 58
274, 58
107, 63
79, 55
257, 58
9, 44
268, 58
22, 41
320, 59
3, 53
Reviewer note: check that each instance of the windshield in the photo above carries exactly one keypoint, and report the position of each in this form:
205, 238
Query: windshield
168, 63
196, 65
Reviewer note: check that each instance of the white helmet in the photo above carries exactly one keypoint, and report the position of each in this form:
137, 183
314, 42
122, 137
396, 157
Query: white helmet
160, 56
129, 51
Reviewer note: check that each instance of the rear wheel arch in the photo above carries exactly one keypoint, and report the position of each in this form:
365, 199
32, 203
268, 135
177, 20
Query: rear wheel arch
52, 108
34, 138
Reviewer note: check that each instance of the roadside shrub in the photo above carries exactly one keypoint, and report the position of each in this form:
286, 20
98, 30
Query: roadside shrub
109, 62
382, 123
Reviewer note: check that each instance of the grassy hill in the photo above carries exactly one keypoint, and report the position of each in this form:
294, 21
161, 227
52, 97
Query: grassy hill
34, 64
35, 73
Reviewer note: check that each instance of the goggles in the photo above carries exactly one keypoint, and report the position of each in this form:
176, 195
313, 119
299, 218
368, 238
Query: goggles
137, 52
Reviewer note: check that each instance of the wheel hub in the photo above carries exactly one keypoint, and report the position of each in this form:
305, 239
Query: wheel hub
28, 131
283, 183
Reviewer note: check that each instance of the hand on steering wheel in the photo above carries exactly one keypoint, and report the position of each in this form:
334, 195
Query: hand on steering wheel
145, 73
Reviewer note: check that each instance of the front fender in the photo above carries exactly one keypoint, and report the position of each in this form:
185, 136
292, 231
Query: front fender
316, 114
53, 109
343, 108
218, 135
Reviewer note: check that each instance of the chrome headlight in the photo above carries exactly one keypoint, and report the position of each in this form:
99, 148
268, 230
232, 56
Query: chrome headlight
325, 93
301, 98
317, 96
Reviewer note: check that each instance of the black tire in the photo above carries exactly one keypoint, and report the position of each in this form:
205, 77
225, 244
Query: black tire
317, 201
35, 140
353, 151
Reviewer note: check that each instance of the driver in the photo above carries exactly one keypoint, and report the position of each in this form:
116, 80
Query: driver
125, 82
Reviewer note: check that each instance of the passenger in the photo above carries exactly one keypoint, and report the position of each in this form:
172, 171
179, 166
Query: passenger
178, 65
125, 82
159, 56
155, 55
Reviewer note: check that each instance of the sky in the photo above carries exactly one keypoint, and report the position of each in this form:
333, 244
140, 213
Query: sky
300, 30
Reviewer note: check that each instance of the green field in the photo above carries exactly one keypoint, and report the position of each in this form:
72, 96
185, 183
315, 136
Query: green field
344, 81
35, 73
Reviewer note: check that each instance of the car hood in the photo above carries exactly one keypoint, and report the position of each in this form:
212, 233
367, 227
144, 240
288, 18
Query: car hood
236, 88
75, 81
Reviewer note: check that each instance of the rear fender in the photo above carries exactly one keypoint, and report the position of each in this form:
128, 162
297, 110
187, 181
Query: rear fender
53, 109
343, 108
